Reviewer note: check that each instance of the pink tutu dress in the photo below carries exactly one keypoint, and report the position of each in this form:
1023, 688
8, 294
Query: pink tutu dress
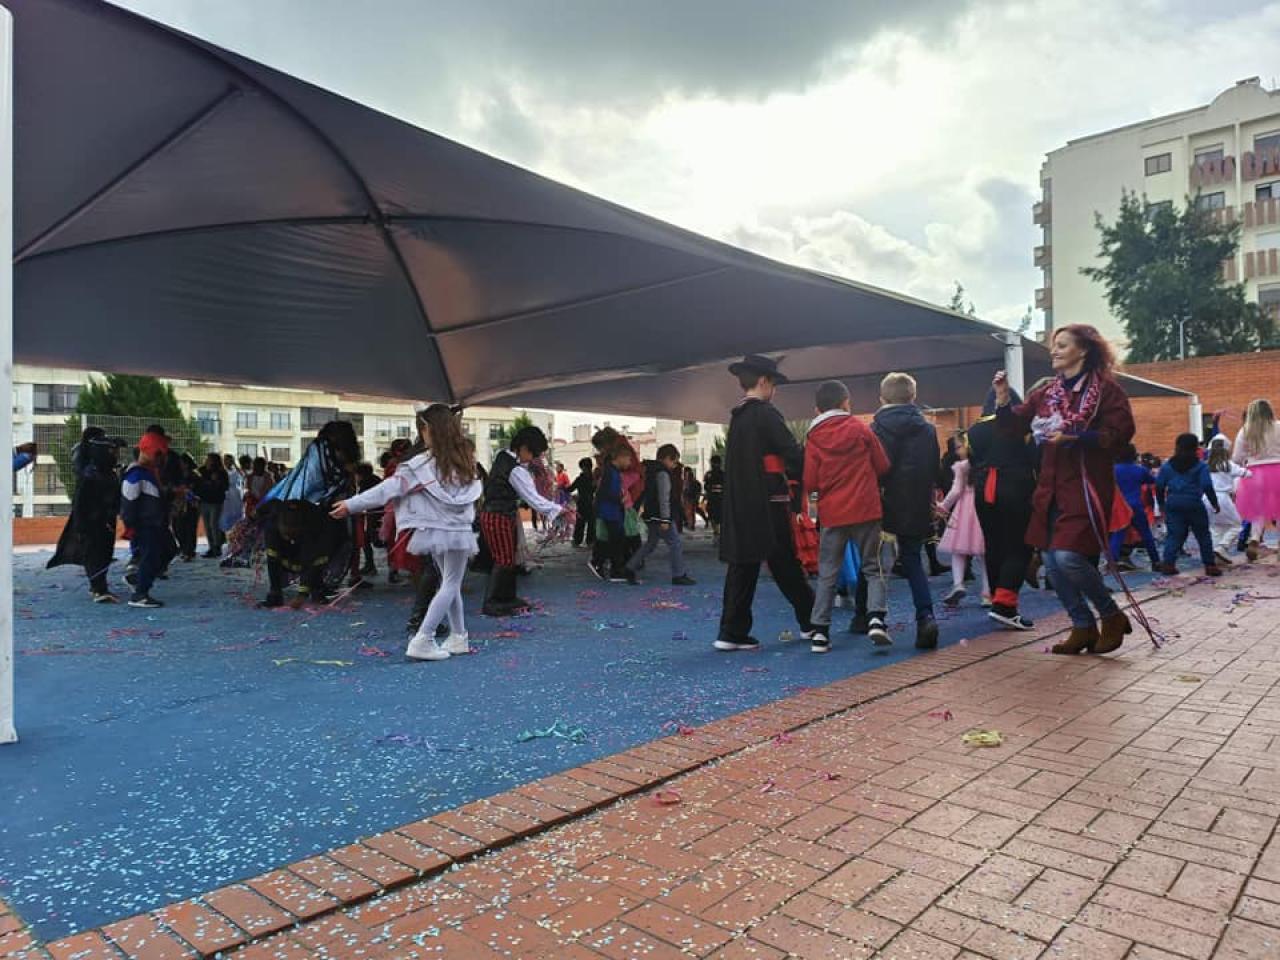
1258, 495
964, 533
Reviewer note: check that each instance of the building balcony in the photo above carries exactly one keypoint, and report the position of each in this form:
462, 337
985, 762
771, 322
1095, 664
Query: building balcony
1230, 271
1210, 173
1041, 212
1044, 298
1043, 255
1263, 263
1261, 213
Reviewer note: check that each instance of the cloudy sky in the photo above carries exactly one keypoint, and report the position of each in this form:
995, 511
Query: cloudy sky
894, 141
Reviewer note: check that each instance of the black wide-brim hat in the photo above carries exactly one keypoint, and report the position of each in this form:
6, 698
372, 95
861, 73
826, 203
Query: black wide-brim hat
761, 366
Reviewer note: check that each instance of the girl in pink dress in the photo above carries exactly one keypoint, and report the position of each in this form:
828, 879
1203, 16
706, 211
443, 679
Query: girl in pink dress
963, 538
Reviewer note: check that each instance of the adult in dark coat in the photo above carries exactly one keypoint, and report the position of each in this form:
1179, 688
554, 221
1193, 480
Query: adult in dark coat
1003, 464
1081, 421
757, 521
89, 536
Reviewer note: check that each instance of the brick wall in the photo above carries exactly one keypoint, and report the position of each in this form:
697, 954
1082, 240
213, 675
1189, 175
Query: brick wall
1225, 385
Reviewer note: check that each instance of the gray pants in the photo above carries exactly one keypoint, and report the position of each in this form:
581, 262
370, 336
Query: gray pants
671, 536
865, 538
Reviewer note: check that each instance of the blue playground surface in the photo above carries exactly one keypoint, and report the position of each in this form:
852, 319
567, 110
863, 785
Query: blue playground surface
168, 752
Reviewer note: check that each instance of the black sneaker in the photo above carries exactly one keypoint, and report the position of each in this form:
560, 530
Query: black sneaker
877, 633
819, 642
146, 601
104, 598
860, 624
927, 634
737, 643
595, 570
684, 580
1009, 617
953, 598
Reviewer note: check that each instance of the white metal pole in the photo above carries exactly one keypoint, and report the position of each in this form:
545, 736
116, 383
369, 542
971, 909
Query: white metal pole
1195, 416
8, 733
1013, 362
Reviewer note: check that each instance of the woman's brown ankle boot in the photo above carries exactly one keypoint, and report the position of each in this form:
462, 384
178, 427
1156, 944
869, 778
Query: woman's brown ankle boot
1078, 640
1114, 629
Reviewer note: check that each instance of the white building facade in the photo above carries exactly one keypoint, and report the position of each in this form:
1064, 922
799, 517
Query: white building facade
1225, 156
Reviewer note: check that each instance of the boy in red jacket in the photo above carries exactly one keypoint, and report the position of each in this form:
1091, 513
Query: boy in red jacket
843, 464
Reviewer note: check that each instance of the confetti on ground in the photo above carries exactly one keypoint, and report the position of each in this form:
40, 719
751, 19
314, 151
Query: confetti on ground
319, 663
558, 729
983, 738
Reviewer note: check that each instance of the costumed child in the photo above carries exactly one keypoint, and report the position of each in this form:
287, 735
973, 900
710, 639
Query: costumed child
1182, 486
1225, 524
611, 513
435, 493
510, 482
1002, 467
146, 518
963, 538
662, 512
1257, 447
1131, 478
584, 487
843, 464
713, 490
89, 536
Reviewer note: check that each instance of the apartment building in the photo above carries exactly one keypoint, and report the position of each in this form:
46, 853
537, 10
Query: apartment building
1225, 156
271, 422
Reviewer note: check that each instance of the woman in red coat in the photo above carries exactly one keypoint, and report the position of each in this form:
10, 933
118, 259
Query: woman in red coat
1081, 420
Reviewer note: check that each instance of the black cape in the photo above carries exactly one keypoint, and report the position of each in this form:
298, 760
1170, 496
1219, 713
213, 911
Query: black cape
756, 429
91, 527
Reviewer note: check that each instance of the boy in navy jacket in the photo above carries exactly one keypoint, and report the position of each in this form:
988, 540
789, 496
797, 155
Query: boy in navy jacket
1182, 486
143, 511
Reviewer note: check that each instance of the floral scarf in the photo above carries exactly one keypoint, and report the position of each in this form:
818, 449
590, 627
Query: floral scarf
1054, 408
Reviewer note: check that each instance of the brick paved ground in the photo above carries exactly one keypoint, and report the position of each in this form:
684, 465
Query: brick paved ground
1130, 813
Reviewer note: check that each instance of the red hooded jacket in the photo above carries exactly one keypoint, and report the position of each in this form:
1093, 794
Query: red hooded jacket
843, 464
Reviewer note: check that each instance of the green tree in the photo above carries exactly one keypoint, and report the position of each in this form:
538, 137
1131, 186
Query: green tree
717, 446
959, 304
521, 421
144, 400
1162, 269
1024, 325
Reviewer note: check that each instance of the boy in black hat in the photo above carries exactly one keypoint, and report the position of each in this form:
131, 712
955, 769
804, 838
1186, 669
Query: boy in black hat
757, 522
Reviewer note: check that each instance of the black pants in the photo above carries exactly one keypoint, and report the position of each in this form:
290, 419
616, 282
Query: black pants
614, 549
428, 583
584, 529
740, 581
185, 527
99, 548
1004, 530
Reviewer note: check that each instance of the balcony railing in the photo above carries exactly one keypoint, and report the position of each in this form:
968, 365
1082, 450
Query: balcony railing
1044, 298
1041, 212
1222, 215
1230, 271
1261, 213
1209, 173
1262, 263
1043, 255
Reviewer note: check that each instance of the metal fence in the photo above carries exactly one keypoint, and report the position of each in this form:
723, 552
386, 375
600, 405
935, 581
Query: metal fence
45, 489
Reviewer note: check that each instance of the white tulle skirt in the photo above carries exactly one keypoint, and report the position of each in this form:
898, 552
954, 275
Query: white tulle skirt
430, 540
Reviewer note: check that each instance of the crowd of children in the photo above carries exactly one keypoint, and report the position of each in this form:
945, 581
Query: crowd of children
1055, 478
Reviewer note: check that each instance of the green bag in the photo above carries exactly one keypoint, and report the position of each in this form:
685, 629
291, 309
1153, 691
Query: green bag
631, 523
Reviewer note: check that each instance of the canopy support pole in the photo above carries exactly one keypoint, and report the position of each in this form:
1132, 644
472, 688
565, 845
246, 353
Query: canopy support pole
8, 733
1013, 366
1195, 415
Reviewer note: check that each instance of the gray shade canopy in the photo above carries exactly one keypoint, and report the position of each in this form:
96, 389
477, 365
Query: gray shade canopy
184, 211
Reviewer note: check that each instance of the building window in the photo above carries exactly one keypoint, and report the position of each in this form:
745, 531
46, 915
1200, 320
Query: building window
1209, 155
246, 450
1270, 240
1267, 143
403, 431
1158, 207
1211, 201
497, 430
55, 397
281, 420
1269, 301
1267, 191
1160, 163
356, 420
313, 418
281, 454
208, 422
246, 419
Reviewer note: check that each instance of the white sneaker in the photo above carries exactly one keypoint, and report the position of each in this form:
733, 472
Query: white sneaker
457, 643
425, 648
953, 598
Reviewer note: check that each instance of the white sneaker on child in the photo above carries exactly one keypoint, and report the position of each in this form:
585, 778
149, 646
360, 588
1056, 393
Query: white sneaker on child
457, 643
425, 648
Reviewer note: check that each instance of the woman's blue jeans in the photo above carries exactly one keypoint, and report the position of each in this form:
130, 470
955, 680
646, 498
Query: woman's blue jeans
1078, 583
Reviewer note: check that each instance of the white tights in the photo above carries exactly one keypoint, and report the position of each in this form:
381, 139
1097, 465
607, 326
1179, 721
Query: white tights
447, 603
979, 570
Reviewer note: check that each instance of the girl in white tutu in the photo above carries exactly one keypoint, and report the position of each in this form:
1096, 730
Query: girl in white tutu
963, 538
1257, 447
436, 494
1225, 524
